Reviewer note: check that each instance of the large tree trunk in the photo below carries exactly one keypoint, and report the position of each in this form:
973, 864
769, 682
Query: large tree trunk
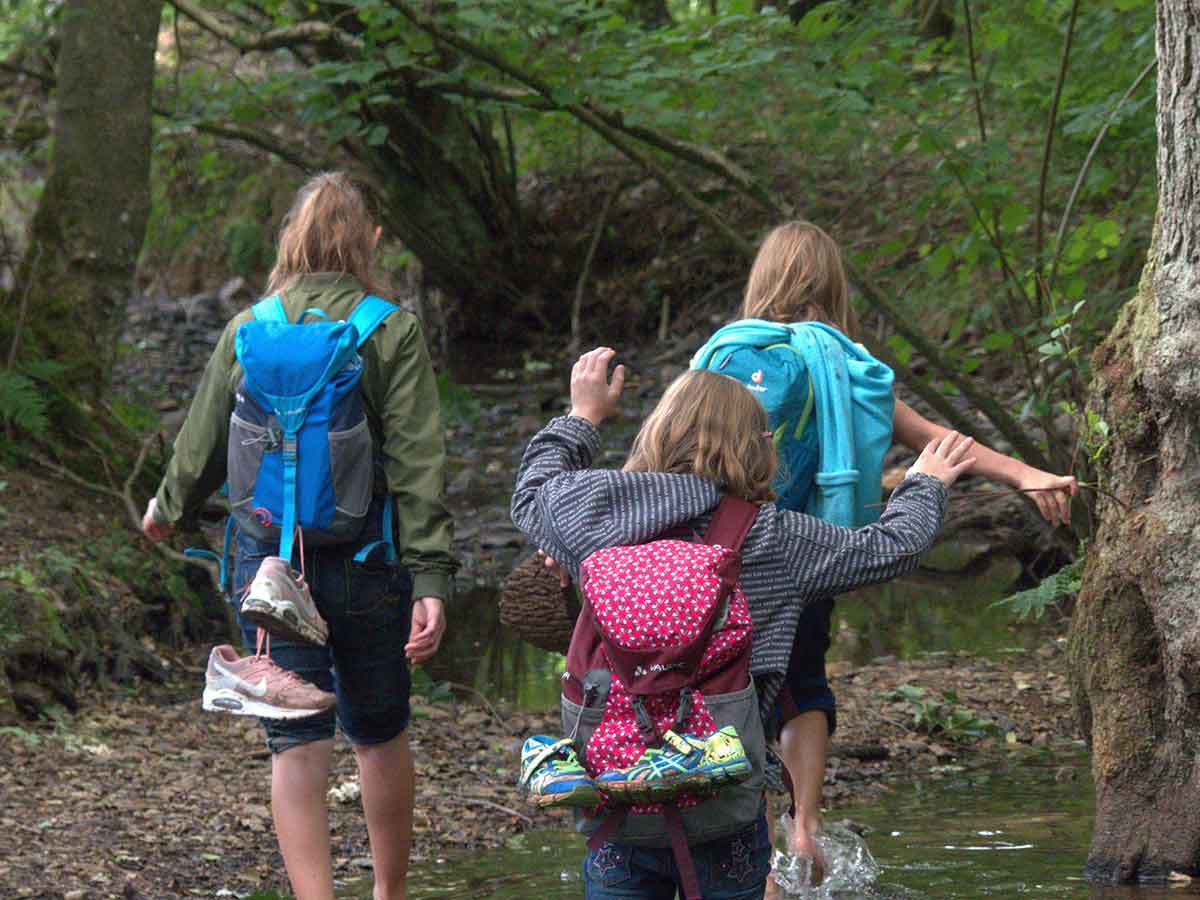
1135, 643
91, 220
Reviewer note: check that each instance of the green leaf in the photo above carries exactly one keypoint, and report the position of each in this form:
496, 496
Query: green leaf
939, 261
995, 38
902, 348
1013, 216
397, 56
1107, 232
998, 340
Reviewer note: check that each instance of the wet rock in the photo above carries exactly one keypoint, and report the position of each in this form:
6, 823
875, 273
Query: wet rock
203, 307
462, 482
234, 296
501, 537
953, 556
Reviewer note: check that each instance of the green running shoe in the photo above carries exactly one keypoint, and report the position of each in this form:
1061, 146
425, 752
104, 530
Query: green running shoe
551, 774
683, 764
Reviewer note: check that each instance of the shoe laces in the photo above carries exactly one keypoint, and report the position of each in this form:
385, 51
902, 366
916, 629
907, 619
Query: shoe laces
300, 544
262, 650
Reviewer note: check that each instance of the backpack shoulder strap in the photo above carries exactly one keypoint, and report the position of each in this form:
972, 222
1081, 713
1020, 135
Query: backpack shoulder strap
269, 309
731, 522
369, 315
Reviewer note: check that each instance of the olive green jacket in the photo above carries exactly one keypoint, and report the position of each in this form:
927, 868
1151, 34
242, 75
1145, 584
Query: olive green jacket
403, 410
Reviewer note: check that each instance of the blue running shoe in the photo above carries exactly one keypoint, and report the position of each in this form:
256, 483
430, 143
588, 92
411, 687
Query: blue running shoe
683, 764
551, 774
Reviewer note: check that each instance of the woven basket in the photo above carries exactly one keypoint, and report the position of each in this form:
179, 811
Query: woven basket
537, 608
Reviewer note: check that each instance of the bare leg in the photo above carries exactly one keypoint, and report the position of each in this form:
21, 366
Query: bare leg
299, 779
386, 774
803, 745
772, 890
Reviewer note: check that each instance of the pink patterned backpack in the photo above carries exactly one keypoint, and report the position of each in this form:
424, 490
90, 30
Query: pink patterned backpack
663, 643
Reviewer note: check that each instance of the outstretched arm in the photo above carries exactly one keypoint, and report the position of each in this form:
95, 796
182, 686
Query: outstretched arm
1052, 493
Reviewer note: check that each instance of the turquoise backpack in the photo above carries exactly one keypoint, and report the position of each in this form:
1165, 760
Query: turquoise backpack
851, 392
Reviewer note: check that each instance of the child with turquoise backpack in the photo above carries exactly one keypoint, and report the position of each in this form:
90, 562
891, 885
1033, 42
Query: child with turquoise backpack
833, 415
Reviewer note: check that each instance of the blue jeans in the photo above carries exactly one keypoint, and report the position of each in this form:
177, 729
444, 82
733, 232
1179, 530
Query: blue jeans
368, 607
731, 868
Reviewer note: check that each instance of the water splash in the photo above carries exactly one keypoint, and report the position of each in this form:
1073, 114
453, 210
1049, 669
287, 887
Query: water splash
849, 866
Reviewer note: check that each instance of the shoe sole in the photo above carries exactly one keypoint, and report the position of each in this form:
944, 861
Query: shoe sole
667, 788
578, 797
230, 701
282, 622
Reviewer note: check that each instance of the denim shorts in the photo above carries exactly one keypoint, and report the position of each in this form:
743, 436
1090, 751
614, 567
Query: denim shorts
368, 607
731, 868
806, 685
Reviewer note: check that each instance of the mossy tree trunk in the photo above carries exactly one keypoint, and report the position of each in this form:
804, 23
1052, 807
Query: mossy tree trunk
1135, 642
91, 219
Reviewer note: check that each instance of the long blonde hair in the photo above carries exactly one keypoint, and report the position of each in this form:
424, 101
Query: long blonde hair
798, 275
709, 425
328, 229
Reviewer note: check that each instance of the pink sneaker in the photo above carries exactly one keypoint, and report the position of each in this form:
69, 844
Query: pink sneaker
280, 602
256, 686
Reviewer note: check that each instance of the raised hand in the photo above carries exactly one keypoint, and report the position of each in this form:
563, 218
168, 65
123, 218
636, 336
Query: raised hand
593, 396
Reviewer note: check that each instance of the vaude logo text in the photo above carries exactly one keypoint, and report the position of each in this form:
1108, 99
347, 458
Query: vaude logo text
657, 667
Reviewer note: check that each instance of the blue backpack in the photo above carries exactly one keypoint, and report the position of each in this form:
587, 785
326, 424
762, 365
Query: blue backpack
852, 395
300, 453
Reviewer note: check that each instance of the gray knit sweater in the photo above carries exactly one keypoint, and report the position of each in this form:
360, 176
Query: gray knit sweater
789, 559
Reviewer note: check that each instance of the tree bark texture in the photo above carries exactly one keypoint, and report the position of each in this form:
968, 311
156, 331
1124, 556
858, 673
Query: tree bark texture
1135, 641
91, 219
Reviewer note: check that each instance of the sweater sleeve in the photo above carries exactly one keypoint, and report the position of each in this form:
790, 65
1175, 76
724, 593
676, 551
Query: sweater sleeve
826, 559
570, 510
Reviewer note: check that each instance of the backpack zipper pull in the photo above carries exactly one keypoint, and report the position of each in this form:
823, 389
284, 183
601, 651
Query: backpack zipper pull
589, 694
646, 727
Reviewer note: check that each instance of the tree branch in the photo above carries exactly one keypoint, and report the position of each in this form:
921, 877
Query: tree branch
126, 499
1039, 239
1009, 427
615, 133
275, 38
1083, 173
588, 111
577, 306
257, 139
921, 387
974, 75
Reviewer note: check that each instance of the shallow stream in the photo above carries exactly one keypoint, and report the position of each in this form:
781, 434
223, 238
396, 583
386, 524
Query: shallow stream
1020, 830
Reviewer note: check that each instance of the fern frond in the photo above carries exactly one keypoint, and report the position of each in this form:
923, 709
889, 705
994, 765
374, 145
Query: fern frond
1032, 603
22, 404
43, 369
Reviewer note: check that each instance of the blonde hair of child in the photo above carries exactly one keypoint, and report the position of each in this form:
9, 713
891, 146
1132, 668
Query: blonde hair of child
709, 425
328, 229
798, 276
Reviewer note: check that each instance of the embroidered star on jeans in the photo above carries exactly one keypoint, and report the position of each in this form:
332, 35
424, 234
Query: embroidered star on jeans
607, 857
739, 866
